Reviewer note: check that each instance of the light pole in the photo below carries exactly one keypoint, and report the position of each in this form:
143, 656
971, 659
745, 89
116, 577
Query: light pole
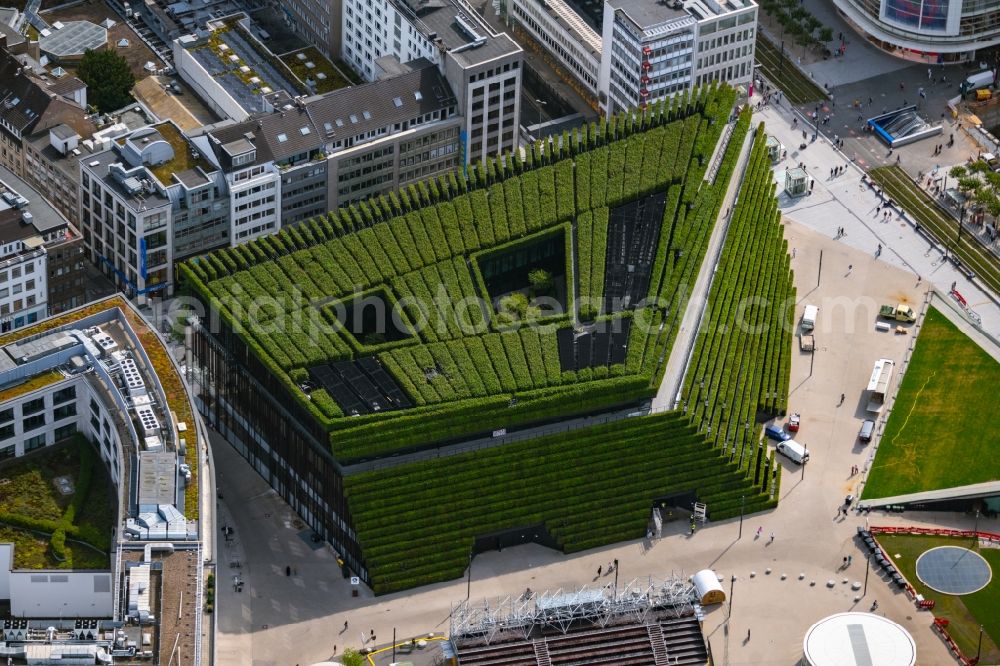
732, 586
742, 503
538, 109
468, 586
868, 566
975, 530
979, 647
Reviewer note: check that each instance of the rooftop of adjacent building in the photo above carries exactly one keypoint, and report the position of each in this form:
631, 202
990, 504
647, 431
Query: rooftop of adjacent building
650, 13
459, 29
229, 52
108, 342
307, 124
575, 24
159, 152
28, 101
44, 218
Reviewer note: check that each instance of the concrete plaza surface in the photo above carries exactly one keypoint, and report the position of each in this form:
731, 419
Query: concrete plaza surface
843, 201
299, 619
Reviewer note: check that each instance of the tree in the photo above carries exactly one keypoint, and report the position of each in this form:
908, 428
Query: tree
540, 281
826, 34
351, 657
108, 77
957, 171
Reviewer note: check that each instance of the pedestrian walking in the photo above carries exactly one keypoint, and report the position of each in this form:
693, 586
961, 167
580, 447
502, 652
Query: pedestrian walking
878, 209
335, 649
845, 562
771, 540
345, 625
874, 606
748, 635
850, 267
929, 74
616, 563
793, 253
759, 530
599, 570
850, 558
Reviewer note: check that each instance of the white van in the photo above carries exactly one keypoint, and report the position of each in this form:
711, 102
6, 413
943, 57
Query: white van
983, 79
809, 318
794, 451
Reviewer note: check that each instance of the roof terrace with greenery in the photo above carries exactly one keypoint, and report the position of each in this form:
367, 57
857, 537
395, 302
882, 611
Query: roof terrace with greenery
538, 288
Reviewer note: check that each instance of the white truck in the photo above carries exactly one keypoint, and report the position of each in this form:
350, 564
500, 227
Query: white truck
809, 318
878, 384
983, 79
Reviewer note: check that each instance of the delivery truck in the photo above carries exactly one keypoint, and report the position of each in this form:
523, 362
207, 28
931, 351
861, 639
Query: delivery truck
899, 312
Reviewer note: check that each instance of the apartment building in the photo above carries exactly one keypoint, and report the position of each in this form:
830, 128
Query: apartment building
31, 106
150, 198
23, 273
41, 257
482, 66
326, 151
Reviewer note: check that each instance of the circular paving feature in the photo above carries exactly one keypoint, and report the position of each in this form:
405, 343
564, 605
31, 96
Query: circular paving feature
953, 570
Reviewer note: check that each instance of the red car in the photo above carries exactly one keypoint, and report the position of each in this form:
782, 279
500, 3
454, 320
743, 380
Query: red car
793, 422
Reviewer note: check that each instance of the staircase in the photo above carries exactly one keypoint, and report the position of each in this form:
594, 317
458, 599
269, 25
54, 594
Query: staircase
684, 641
542, 652
659, 646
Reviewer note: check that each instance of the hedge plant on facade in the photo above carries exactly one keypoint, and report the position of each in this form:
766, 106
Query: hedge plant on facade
420, 243
416, 529
739, 371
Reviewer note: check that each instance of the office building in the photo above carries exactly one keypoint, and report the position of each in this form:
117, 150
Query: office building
150, 199
329, 150
101, 372
654, 50
565, 34
482, 66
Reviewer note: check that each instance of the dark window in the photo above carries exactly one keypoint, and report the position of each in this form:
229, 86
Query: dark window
63, 395
65, 432
6, 432
33, 422
64, 411
6, 415
32, 406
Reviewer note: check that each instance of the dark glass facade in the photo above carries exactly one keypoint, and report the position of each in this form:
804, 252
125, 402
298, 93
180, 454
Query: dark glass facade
280, 439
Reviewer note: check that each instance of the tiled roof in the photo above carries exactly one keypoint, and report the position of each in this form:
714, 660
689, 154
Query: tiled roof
348, 112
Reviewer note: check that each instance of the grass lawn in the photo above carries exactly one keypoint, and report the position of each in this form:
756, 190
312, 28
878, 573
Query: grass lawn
29, 491
967, 612
944, 429
783, 73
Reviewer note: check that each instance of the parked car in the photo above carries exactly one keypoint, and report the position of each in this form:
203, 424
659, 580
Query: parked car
867, 430
776, 432
793, 422
794, 451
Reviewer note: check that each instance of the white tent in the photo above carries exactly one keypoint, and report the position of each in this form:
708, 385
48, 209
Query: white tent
707, 585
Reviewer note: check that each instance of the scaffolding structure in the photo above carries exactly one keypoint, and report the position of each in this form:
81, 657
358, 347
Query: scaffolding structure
509, 618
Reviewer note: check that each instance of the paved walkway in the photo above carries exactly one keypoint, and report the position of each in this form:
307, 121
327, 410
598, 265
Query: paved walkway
680, 353
843, 201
